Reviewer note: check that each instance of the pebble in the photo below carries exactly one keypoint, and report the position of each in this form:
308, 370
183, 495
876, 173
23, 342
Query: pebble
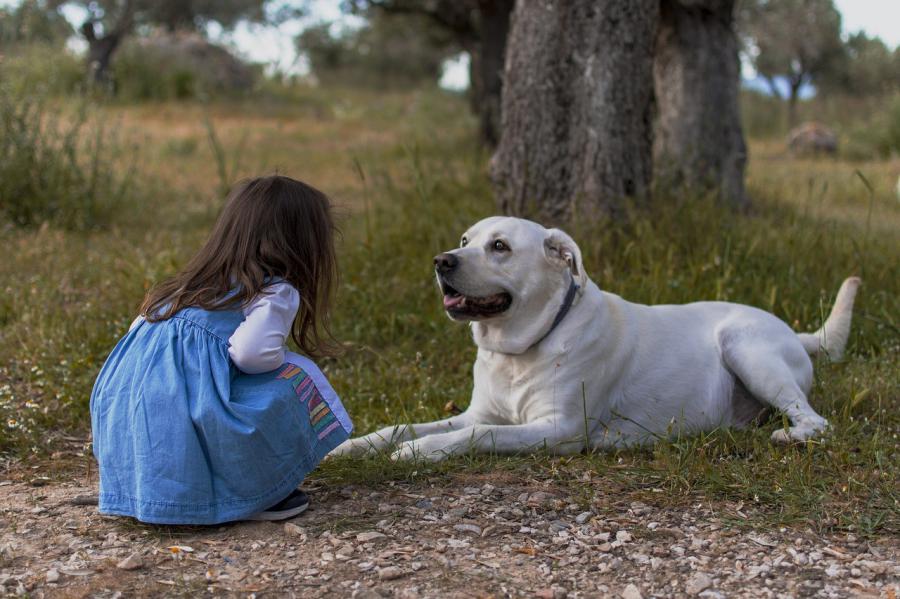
631, 592
558, 525
472, 528
583, 517
132, 562
539, 497
52, 575
554, 592
698, 583
390, 573
366, 537
623, 536
292, 530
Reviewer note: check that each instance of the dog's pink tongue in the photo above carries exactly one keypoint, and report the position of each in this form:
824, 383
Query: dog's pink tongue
453, 301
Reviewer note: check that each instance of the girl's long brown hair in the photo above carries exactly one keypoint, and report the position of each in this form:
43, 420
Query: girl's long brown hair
271, 227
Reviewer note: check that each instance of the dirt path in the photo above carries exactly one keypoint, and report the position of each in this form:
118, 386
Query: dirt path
472, 536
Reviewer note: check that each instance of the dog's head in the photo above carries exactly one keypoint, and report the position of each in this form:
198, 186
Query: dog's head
509, 277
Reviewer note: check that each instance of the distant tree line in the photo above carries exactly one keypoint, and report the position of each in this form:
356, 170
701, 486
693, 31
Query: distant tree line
387, 51
799, 42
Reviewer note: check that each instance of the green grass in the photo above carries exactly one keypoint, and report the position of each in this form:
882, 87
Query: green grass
407, 176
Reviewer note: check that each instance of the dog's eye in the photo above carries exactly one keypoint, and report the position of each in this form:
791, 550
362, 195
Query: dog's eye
500, 246
464, 242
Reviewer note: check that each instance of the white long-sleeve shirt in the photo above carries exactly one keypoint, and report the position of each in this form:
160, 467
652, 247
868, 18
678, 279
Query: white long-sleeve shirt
258, 344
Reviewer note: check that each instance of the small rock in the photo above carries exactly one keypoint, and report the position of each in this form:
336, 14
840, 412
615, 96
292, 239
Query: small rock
583, 517
558, 525
365, 537
539, 497
390, 573
52, 575
554, 592
631, 592
293, 530
623, 536
132, 562
472, 528
698, 583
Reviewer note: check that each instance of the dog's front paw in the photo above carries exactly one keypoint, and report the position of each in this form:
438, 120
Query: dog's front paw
801, 432
357, 447
347, 448
417, 450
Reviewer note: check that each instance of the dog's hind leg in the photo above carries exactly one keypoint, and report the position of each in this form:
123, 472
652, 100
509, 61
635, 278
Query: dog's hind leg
391, 436
776, 372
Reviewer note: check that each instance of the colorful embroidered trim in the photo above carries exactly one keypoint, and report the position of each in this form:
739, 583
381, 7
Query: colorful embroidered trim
321, 417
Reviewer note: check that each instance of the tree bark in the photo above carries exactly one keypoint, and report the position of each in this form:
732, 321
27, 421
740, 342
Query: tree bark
795, 84
487, 59
576, 108
100, 52
101, 49
699, 145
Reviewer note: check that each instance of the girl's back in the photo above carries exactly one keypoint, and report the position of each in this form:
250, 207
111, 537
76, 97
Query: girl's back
184, 436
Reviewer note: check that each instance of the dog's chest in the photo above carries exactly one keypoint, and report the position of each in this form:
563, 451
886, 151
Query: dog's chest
511, 387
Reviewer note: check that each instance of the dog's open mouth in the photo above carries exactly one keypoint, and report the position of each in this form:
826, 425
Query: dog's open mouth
458, 305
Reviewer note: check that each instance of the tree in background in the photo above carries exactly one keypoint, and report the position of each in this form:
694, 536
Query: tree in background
699, 144
388, 51
865, 67
798, 40
480, 27
181, 15
108, 22
577, 107
32, 22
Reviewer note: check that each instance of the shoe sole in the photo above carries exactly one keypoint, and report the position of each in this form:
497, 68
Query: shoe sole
279, 515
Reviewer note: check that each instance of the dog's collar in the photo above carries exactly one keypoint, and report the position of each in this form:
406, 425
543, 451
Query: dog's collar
563, 310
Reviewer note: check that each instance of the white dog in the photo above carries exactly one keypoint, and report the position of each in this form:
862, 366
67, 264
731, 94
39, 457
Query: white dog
564, 366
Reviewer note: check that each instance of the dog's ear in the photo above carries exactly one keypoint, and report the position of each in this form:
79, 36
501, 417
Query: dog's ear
560, 247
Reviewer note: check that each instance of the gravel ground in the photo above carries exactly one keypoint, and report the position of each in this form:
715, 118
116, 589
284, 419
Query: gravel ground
461, 536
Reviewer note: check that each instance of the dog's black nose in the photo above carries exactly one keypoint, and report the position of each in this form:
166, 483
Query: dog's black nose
445, 262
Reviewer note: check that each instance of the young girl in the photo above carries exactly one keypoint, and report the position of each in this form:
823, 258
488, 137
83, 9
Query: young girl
200, 415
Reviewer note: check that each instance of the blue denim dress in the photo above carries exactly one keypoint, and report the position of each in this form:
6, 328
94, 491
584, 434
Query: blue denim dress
183, 437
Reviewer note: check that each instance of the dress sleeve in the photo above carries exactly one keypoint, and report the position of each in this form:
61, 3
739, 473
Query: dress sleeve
257, 345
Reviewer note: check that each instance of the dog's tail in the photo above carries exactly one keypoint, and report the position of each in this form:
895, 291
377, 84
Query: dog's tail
832, 337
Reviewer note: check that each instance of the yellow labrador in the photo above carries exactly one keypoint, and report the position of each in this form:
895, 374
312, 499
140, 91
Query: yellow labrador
563, 365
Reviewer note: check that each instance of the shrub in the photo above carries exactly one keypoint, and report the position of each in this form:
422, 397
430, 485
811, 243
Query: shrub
178, 67
45, 67
54, 169
880, 136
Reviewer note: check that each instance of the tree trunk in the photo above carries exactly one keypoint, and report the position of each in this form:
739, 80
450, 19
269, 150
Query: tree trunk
792, 102
699, 144
577, 107
99, 56
101, 49
487, 66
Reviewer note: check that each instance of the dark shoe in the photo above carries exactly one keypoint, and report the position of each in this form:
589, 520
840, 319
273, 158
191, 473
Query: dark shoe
289, 507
